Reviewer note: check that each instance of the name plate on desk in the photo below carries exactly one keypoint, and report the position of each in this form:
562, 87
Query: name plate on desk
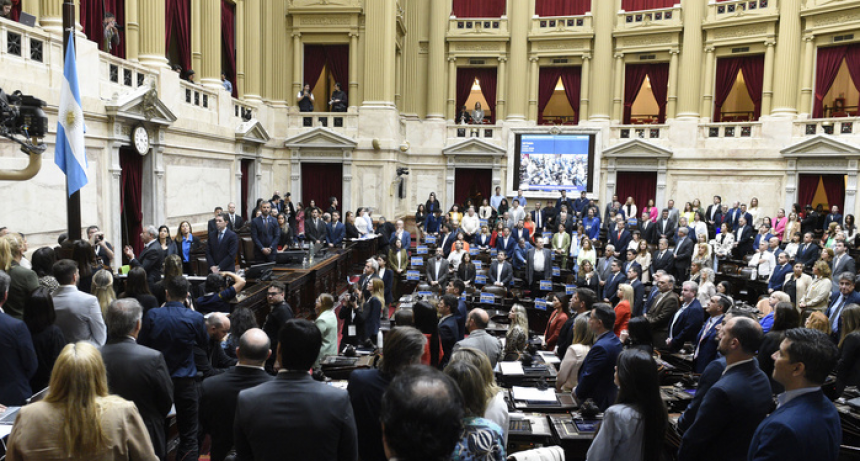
477, 264
480, 280
483, 222
474, 251
413, 275
429, 239
426, 294
547, 235
540, 303
421, 250
545, 285
494, 252
417, 261
488, 298
556, 271
569, 289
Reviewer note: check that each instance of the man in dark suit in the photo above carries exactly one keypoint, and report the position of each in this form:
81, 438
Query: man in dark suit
387, 276
501, 272
663, 259
610, 289
234, 221
706, 341
619, 237
687, 322
744, 236
810, 221
448, 329
136, 372
597, 374
279, 312
222, 247
633, 275
806, 425
219, 395
539, 218
712, 216
315, 228
294, 412
647, 229
17, 355
456, 288
538, 265
520, 232
662, 311
437, 270
604, 265
211, 224
506, 242
151, 258
832, 217
403, 235
664, 228
265, 233
842, 261
777, 276
563, 200
808, 251
844, 297
683, 254
335, 231
446, 239
629, 261
277, 203
732, 216
736, 404
371, 269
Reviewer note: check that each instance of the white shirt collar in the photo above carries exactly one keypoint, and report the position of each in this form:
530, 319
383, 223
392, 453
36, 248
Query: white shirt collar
788, 396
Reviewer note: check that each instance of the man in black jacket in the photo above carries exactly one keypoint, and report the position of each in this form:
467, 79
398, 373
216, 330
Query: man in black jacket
279, 313
151, 258
136, 372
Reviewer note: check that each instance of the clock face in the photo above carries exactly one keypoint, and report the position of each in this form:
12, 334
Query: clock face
140, 138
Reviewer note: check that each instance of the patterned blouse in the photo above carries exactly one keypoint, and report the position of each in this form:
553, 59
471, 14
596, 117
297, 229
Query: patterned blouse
482, 440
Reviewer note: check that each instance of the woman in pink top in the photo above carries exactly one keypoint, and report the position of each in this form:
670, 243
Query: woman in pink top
778, 223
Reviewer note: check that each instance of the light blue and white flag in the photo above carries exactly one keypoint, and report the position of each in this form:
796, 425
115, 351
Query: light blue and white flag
69, 153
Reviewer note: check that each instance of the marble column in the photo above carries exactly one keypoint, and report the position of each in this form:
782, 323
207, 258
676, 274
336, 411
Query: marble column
517, 98
253, 52
672, 94
439, 11
398, 74
197, 36
600, 100
808, 68
51, 17
240, 48
585, 79
152, 33
690, 85
210, 68
452, 90
501, 94
380, 35
767, 84
132, 31
618, 89
353, 70
707, 102
534, 70
298, 56
785, 83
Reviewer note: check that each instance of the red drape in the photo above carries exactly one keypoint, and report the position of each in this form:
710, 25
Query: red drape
486, 77
827, 67
753, 69
571, 78
16, 9
639, 5
178, 22
478, 8
472, 182
245, 168
228, 33
562, 7
92, 15
659, 76
641, 185
806, 189
465, 80
727, 73
634, 76
131, 202
834, 187
319, 191
314, 63
852, 61
546, 87
337, 58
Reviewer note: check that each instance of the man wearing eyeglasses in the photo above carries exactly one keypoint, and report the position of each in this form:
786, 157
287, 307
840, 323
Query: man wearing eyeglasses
279, 313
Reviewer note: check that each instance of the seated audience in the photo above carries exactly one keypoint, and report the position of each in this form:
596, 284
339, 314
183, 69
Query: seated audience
497, 407
481, 438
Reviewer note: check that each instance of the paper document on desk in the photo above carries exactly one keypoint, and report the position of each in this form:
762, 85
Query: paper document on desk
533, 394
549, 357
512, 368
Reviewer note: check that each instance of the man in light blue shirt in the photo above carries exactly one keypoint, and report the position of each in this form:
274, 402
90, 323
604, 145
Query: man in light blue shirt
496, 200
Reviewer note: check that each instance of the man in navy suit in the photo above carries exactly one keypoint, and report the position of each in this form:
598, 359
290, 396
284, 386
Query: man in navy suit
619, 237
501, 272
733, 215
539, 218
315, 230
736, 404
403, 235
222, 247
777, 276
519, 232
265, 233
633, 275
683, 254
563, 200
706, 340
687, 322
151, 258
743, 239
629, 261
664, 227
610, 290
597, 374
846, 296
663, 259
335, 231
506, 242
17, 355
456, 288
833, 216
580, 204
448, 329
446, 239
808, 251
805, 425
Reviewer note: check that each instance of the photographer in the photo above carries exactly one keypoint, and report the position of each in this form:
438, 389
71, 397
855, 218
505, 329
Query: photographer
218, 293
111, 32
338, 99
103, 249
353, 320
306, 99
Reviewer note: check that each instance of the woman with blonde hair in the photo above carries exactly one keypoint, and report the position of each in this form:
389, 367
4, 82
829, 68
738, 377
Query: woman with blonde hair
5, 255
586, 252
791, 227
703, 255
707, 290
497, 408
819, 321
568, 371
817, 296
78, 419
517, 337
103, 289
848, 367
327, 324
623, 308
768, 305
371, 310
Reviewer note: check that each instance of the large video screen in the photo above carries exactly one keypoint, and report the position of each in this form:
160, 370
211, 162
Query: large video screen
552, 162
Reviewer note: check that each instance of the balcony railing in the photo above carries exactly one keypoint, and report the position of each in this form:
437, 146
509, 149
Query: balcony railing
491, 133
561, 25
730, 130
27, 43
198, 96
342, 122
477, 27
663, 17
624, 132
119, 75
741, 8
834, 126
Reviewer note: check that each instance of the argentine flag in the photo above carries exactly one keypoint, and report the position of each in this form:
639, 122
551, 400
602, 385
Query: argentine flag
69, 153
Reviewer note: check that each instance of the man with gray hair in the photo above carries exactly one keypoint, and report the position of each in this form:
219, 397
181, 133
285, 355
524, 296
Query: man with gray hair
136, 372
218, 401
151, 258
538, 265
688, 320
662, 312
371, 269
478, 338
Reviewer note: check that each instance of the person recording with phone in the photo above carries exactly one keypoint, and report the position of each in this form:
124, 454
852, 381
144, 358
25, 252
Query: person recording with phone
111, 32
103, 249
305, 99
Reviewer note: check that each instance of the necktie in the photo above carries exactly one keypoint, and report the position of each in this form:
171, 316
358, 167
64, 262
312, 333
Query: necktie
266, 223
835, 317
220, 235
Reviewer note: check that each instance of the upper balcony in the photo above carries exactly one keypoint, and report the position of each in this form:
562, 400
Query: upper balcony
658, 20
561, 26
734, 12
478, 29
345, 123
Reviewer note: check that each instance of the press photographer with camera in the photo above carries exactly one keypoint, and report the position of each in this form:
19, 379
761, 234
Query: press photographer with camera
353, 319
220, 289
102, 248
111, 32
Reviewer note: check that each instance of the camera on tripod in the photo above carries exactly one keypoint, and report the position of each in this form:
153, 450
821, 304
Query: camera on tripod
21, 114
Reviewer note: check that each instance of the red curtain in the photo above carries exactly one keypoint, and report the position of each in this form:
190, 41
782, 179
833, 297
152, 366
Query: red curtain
16, 9
479, 8
806, 189
228, 34
727, 73
753, 69
320, 191
131, 202
465, 80
472, 182
178, 24
314, 63
487, 77
827, 67
834, 187
546, 87
634, 76
659, 76
337, 58
571, 78
92, 15
641, 185
639, 5
562, 7
852, 61
245, 168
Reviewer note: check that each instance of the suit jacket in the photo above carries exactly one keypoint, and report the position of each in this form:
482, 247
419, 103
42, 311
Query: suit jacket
809, 223
405, 239
517, 234
669, 230
661, 314
686, 327
335, 233
507, 273
744, 238
684, 253
648, 231
239, 222
430, 271
712, 373
310, 419
151, 259
596, 379
706, 342
447, 241
17, 360
278, 316
619, 242
539, 218
777, 277
604, 267
501, 246
265, 236
547, 266
844, 264
218, 404
731, 410
365, 389
139, 374
853, 298
830, 218
388, 280
610, 289
807, 254
638, 297
317, 232
481, 340
448, 333
805, 428
79, 316
222, 254
666, 263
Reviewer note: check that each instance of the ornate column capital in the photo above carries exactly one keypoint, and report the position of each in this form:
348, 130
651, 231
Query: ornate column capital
503, 59
769, 43
296, 34
586, 56
351, 34
808, 38
674, 51
619, 55
452, 59
534, 59
710, 49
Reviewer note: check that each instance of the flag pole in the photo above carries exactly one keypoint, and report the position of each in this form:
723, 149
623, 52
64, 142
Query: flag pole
73, 202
